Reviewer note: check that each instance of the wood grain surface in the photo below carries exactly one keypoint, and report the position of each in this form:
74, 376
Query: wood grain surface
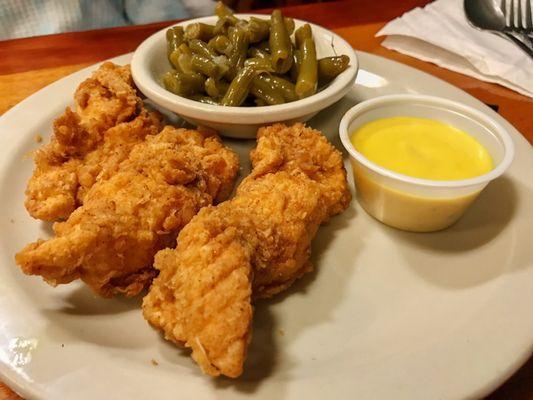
27, 65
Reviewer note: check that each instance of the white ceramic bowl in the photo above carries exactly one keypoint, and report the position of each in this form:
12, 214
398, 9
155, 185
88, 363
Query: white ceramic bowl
415, 204
149, 63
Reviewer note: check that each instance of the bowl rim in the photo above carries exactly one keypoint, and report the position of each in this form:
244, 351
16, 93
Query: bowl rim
496, 128
153, 90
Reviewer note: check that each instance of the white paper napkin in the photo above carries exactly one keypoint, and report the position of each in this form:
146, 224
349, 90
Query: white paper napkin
440, 33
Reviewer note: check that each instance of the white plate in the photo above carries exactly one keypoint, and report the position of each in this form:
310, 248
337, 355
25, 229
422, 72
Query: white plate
387, 314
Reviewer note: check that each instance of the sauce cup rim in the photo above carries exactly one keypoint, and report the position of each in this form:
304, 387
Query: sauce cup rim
495, 127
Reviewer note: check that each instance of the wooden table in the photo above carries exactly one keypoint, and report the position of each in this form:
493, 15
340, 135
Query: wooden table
27, 65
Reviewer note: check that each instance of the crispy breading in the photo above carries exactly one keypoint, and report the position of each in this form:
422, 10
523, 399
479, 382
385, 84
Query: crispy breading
107, 98
109, 120
255, 244
110, 241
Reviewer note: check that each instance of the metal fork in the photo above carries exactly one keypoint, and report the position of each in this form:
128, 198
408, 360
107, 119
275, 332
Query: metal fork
517, 20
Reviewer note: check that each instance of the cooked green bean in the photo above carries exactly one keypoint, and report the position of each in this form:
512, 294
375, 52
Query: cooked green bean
174, 39
224, 24
220, 44
225, 18
255, 52
216, 88
330, 67
183, 84
257, 29
239, 87
181, 58
200, 31
308, 70
260, 63
174, 59
206, 66
289, 25
280, 43
283, 85
204, 99
295, 67
200, 47
221, 10
302, 33
239, 41
262, 89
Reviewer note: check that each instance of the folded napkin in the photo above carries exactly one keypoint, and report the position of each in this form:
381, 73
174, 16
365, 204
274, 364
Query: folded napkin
440, 33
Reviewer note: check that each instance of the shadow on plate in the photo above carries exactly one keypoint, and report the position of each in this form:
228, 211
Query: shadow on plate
83, 316
457, 256
82, 301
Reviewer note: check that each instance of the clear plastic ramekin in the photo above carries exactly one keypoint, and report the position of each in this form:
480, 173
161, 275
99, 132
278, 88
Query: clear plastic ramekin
414, 204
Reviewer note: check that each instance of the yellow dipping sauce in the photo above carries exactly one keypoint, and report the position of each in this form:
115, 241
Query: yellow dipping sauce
422, 148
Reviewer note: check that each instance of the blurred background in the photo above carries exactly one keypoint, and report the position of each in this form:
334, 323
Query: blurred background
24, 18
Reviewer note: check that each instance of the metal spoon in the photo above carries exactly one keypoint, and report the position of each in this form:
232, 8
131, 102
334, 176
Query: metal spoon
487, 15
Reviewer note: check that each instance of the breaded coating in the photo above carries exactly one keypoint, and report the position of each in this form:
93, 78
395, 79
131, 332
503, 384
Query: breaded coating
109, 120
254, 245
107, 98
110, 241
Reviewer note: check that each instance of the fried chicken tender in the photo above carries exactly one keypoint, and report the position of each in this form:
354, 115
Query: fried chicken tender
110, 241
109, 120
254, 245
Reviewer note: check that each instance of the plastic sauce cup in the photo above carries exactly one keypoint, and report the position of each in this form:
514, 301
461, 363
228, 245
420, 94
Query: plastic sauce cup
414, 204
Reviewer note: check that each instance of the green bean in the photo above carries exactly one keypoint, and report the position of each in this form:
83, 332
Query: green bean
181, 58
262, 89
308, 70
220, 44
224, 24
280, 43
174, 59
260, 63
306, 83
174, 39
302, 33
200, 47
283, 85
239, 87
226, 18
221, 10
255, 52
200, 31
206, 66
295, 67
204, 99
330, 67
183, 84
239, 40
289, 25
257, 29
216, 88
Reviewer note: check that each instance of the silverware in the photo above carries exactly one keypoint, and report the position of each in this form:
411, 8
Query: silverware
487, 15
517, 20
